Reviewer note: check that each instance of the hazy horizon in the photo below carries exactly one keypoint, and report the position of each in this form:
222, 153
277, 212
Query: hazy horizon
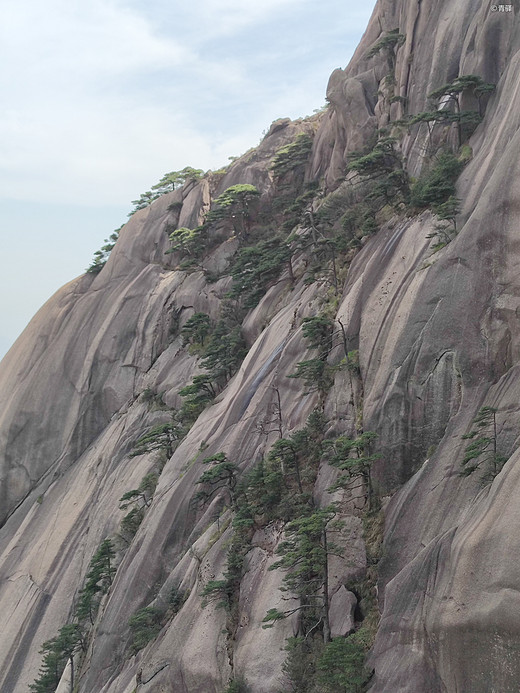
104, 99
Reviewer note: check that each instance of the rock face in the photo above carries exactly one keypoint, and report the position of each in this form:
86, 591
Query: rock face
438, 337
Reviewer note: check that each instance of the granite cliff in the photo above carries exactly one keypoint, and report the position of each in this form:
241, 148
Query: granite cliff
437, 337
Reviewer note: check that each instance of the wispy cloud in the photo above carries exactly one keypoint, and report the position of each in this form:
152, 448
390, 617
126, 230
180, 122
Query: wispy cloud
101, 94
226, 17
100, 98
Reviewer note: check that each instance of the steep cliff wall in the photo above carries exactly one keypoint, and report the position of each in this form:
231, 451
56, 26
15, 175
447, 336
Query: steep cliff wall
438, 338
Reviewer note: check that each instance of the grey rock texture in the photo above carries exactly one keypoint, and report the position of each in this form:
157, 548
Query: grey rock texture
438, 337
342, 606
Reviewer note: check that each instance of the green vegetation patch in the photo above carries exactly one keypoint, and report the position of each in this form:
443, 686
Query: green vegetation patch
256, 267
292, 156
437, 183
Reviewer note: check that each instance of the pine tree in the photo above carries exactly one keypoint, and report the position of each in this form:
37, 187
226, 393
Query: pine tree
224, 353
305, 554
222, 474
236, 205
176, 179
196, 329
341, 667
482, 452
161, 437
353, 458
142, 494
56, 652
97, 581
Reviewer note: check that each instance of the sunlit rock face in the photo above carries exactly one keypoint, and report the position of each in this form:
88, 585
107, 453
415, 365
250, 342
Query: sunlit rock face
438, 337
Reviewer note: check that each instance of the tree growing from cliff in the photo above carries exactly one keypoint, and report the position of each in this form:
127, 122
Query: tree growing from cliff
176, 179
341, 667
168, 182
196, 329
236, 205
388, 44
436, 184
299, 667
316, 373
200, 392
220, 358
449, 96
317, 331
102, 569
145, 625
383, 169
221, 474
227, 589
292, 156
162, 437
273, 421
50, 671
445, 231
352, 457
101, 256
145, 200
56, 653
189, 243
224, 353
71, 638
256, 267
131, 523
97, 582
482, 453
287, 453
304, 556
140, 495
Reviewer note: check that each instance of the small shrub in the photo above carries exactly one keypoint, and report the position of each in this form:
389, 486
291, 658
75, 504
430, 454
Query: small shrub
353, 362
341, 666
215, 590
189, 242
154, 399
101, 256
436, 185
446, 230
131, 523
237, 686
176, 599
175, 207
145, 626
300, 664
482, 452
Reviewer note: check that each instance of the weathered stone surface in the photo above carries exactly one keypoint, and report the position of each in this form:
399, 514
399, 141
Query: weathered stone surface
259, 592
438, 337
342, 607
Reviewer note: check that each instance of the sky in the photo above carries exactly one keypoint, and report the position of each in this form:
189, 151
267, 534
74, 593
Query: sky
100, 99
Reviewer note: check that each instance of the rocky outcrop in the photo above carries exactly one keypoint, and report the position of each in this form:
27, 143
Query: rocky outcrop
438, 337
